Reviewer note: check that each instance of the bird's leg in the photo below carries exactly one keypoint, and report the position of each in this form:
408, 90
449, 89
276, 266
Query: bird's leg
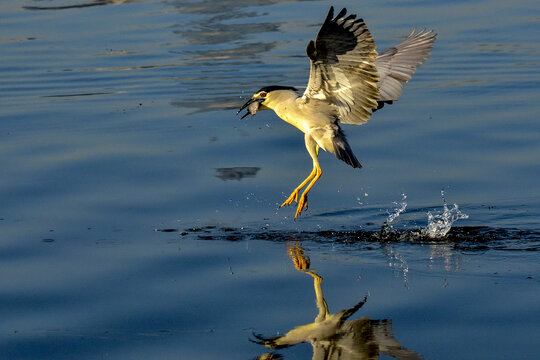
313, 150
303, 203
294, 194
301, 262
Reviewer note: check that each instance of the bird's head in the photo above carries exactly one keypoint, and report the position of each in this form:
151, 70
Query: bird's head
262, 99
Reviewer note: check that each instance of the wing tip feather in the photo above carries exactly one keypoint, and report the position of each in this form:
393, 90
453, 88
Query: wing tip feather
330, 15
341, 13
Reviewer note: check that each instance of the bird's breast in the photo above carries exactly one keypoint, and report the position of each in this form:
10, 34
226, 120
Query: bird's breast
292, 115
298, 122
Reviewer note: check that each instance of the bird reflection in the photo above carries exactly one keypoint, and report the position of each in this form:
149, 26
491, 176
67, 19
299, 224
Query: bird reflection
333, 336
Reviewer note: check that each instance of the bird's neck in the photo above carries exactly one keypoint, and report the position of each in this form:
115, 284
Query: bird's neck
281, 99
285, 105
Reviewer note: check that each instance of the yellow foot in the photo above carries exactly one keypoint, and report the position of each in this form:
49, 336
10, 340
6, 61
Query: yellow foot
302, 204
291, 198
300, 261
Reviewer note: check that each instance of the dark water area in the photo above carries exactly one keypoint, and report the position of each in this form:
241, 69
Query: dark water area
139, 217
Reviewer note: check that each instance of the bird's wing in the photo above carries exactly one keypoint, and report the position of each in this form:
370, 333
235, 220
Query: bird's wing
397, 64
343, 71
388, 345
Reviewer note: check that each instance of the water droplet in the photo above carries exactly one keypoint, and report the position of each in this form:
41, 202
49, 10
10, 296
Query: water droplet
440, 224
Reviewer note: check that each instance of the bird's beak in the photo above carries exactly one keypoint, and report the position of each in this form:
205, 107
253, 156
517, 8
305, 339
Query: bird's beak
249, 102
246, 114
250, 110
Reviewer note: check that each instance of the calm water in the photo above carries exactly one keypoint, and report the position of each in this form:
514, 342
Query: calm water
139, 216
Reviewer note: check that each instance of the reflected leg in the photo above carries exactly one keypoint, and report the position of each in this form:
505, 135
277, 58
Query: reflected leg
302, 263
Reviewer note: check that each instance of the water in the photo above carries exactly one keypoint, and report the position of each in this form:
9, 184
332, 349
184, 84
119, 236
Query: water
139, 217
397, 211
440, 224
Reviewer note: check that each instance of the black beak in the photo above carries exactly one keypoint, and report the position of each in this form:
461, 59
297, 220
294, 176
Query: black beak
249, 102
246, 114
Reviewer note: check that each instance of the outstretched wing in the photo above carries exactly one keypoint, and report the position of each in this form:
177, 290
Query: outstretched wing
343, 71
398, 64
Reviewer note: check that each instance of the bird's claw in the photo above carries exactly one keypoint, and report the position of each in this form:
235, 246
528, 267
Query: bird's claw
302, 204
291, 198
296, 253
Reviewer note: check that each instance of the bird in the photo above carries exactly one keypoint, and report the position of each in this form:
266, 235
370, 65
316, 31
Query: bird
348, 81
333, 336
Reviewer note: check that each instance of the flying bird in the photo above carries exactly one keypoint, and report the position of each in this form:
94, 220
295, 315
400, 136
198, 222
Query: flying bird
348, 81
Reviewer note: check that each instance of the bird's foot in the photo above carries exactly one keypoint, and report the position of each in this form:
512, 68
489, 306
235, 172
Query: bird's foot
302, 204
296, 253
291, 198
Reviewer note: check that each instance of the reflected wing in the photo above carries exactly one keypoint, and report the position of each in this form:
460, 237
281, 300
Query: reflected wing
398, 64
343, 71
388, 345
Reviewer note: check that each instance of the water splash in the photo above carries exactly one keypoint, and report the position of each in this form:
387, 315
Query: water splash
397, 211
440, 224
387, 230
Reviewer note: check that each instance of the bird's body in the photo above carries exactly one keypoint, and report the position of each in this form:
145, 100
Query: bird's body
315, 118
348, 82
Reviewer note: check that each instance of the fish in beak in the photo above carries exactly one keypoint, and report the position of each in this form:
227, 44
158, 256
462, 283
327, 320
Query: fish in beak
252, 106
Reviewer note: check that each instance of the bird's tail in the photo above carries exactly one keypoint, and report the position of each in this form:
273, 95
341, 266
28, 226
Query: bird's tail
343, 151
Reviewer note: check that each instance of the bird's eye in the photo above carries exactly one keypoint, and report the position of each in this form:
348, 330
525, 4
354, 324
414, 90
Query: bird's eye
263, 94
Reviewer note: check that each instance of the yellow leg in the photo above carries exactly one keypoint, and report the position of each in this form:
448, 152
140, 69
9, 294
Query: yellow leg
301, 262
313, 149
303, 203
296, 253
294, 194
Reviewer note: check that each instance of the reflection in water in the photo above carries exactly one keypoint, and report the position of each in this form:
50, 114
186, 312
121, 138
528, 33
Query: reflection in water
214, 32
332, 336
221, 6
74, 5
216, 28
271, 356
396, 262
200, 105
247, 51
217, 36
446, 255
237, 173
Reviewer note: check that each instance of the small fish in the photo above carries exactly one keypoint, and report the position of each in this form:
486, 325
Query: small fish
251, 108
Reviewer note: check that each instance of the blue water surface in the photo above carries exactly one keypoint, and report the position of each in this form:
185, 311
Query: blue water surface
139, 217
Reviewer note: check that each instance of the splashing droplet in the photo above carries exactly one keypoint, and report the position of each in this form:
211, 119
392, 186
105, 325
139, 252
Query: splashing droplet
387, 229
440, 224
398, 210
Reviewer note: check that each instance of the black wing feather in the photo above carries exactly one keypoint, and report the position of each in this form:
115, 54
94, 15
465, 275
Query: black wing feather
343, 71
